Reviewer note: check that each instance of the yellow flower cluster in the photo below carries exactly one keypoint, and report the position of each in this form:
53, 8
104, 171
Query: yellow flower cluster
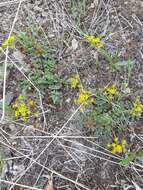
116, 147
84, 98
21, 109
94, 41
75, 81
137, 109
111, 91
9, 42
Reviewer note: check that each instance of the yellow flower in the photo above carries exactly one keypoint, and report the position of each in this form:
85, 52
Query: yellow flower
12, 38
116, 147
16, 114
116, 139
22, 108
94, 41
75, 81
31, 102
112, 90
137, 109
9, 42
84, 98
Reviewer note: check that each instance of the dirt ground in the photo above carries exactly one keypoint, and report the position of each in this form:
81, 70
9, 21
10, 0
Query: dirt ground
74, 160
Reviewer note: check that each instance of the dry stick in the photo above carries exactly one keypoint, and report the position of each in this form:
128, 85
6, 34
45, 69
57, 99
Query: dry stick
35, 160
10, 2
20, 185
68, 153
4, 137
136, 164
40, 173
52, 136
6, 63
46, 168
123, 34
117, 156
95, 19
40, 96
110, 155
95, 156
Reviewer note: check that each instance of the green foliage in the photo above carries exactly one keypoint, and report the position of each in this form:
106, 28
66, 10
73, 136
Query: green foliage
114, 60
109, 114
131, 157
78, 10
37, 48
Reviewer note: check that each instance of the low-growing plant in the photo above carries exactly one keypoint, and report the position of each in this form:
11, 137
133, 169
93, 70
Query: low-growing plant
5, 41
108, 109
117, 147
43, 62
132, 156
24, 108
113, 59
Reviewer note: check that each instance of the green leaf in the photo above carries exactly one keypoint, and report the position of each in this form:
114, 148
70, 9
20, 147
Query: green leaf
126, 161
56, 97
139, 153
54, 87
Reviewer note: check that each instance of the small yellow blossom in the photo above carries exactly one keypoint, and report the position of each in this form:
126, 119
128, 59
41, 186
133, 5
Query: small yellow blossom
21, 108
16, 114
84, 98
9, 42
94, 41
137, 109
116, 147
116, 139
111, 92
124, 142
31, 102
75, 81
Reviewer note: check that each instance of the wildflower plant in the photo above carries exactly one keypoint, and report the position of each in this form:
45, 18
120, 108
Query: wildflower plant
137, 108
94, 41
132, 156
84, 99
75, 81
22, 109
111, 92
9, 42
43, 61
117, 147
107, 108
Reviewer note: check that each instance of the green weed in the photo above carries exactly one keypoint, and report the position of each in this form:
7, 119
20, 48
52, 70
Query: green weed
43, 62
131, 157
